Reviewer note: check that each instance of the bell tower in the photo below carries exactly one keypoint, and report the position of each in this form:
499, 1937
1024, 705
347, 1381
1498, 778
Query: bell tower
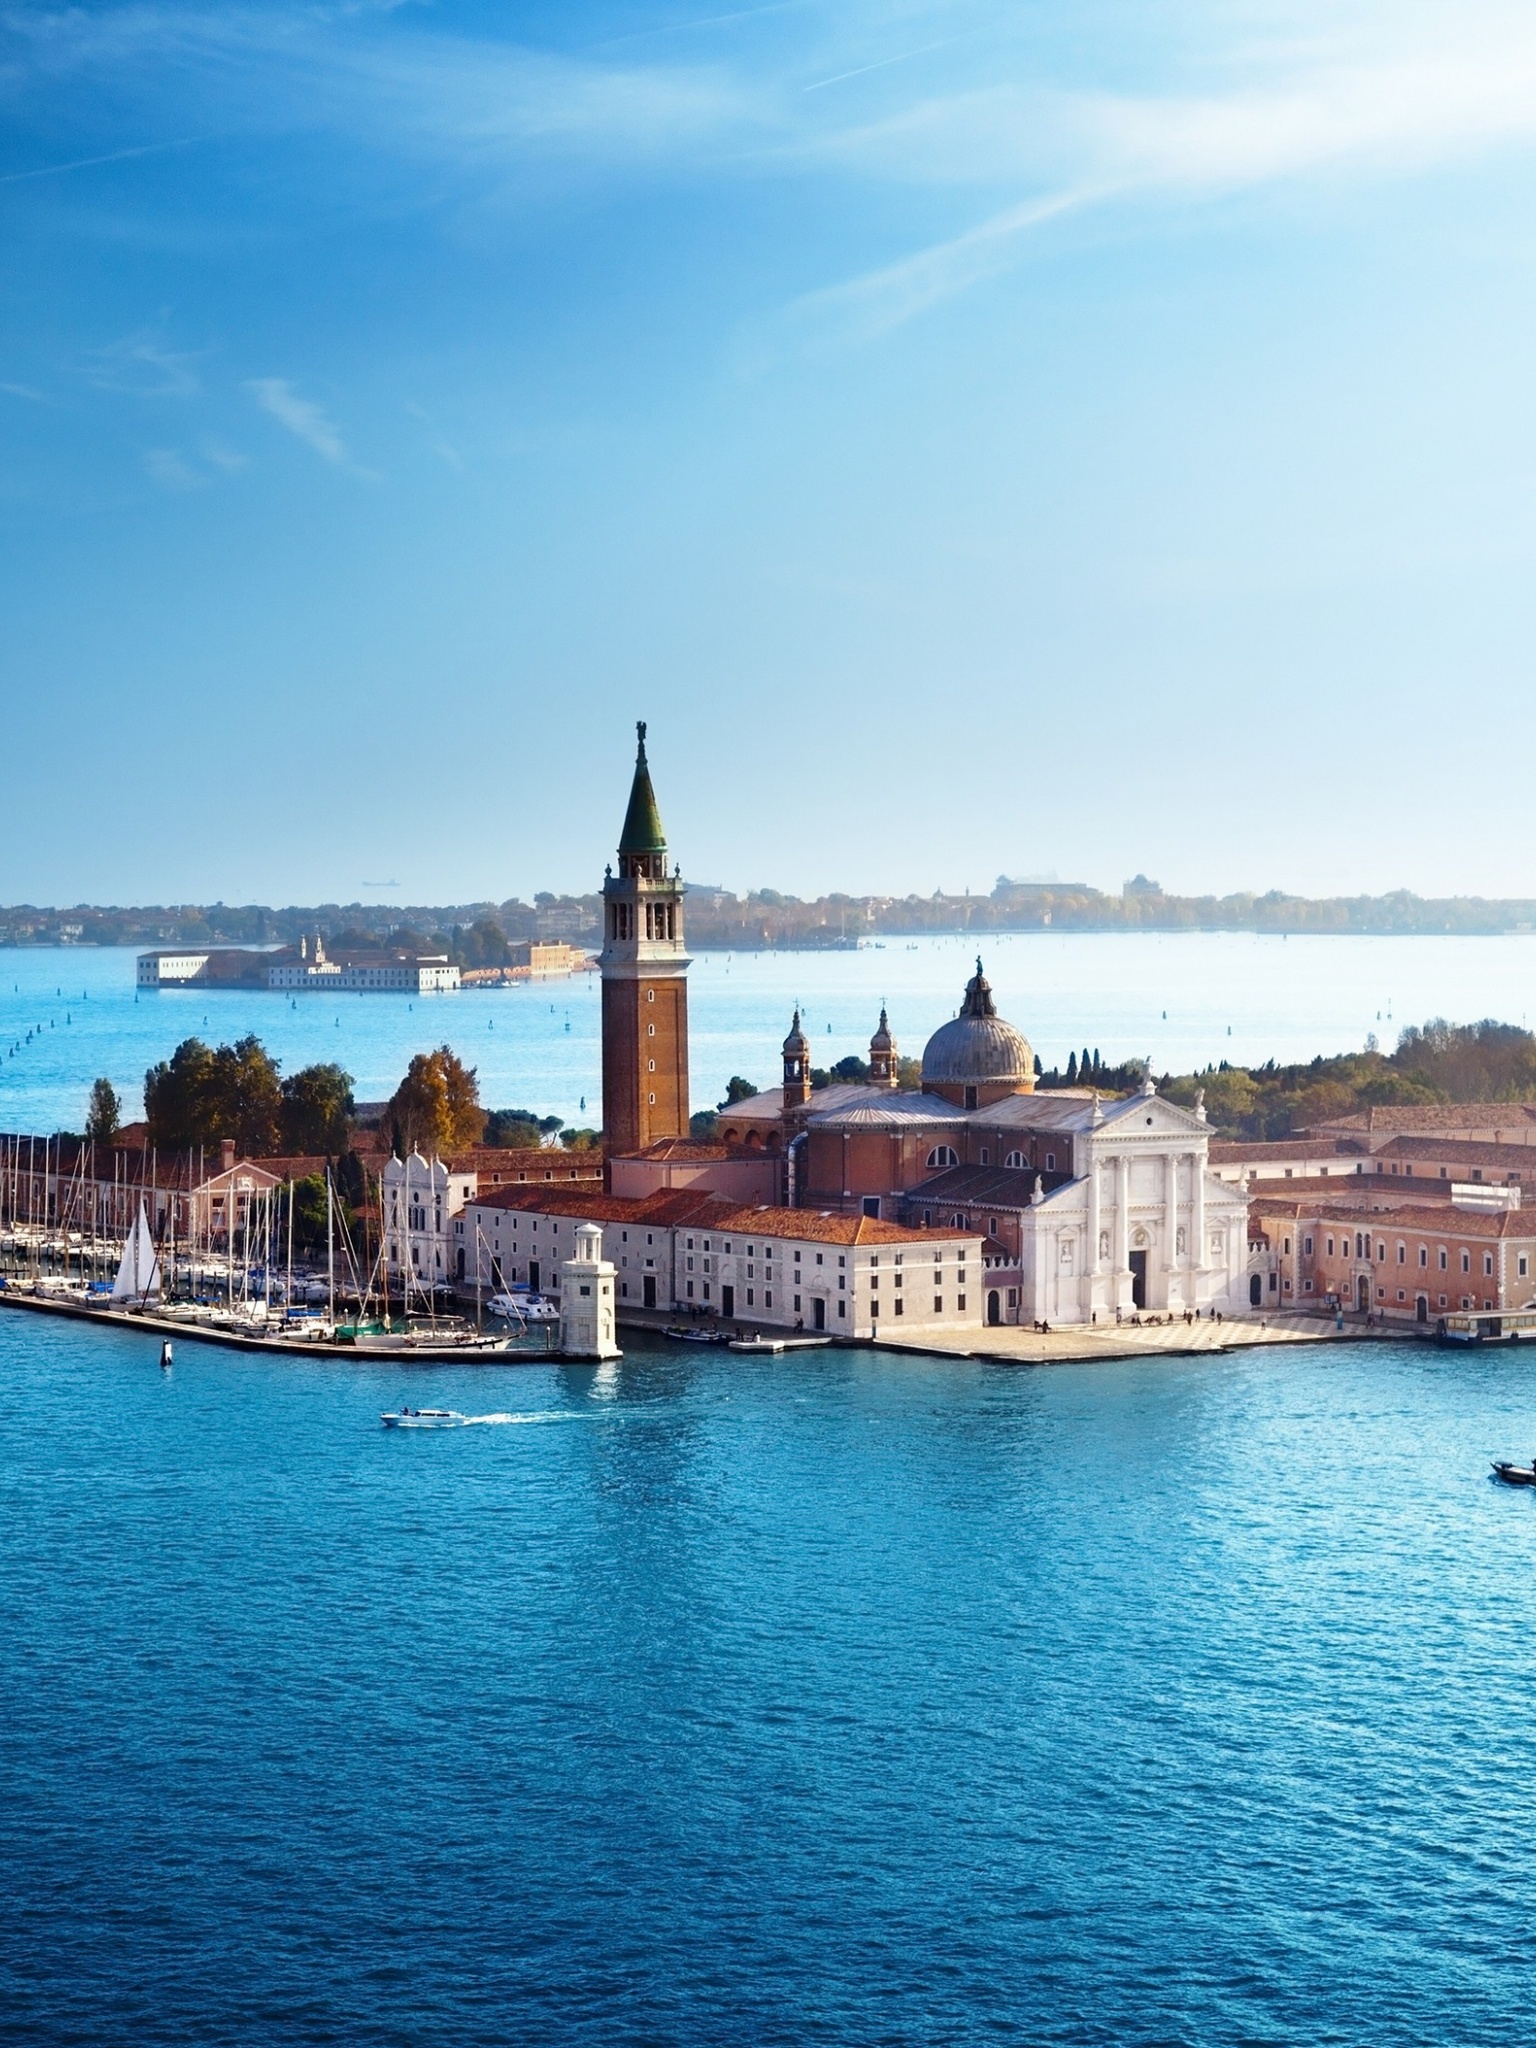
645, 983
797, 1068
882, 1055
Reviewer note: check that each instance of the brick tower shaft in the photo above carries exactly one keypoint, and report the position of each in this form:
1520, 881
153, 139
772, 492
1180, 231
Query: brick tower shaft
645, 983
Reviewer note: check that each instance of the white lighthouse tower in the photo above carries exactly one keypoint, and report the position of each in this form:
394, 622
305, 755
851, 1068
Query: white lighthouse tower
586, 1299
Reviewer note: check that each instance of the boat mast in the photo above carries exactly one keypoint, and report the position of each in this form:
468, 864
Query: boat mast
330, 1248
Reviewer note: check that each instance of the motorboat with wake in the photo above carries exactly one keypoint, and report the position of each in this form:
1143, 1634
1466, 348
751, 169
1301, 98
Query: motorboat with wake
422, 1418
1514, 1475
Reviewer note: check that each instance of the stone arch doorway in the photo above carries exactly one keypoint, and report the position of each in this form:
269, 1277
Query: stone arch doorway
1421, 1308
1363, 1295
994, 1307
1255, 1291
1138, 1279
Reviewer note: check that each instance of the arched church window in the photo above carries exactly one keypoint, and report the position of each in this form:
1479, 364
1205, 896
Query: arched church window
1015, 1159
943, 1155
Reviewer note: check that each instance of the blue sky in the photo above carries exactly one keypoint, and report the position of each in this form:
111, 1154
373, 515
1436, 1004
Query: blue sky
979, 438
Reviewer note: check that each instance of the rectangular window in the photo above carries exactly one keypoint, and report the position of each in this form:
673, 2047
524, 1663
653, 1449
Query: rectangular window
1487, 1265
797, 1301
842, 1280
842, 1308
1444, 1258
938, 1304
690, 1290
1466, 1262
1522, 1266
749, 1297
960, 1304
768, 1299
900, 1305
1307, 1247
1330, 1247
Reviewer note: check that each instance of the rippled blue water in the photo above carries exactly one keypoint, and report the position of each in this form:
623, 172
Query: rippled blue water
1183, 999
838, 1698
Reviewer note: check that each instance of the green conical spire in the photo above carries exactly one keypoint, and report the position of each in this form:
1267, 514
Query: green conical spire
642, 821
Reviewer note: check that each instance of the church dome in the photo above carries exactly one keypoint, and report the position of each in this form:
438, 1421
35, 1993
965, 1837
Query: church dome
978, 1048
797, 1045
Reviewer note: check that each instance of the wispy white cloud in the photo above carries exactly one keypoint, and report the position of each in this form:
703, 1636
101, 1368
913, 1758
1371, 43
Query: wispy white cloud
1246, 97
23, 391
451, 98
171, 470
878, 300
1401, 102
215, 451
88, 163
142, 366
301, 416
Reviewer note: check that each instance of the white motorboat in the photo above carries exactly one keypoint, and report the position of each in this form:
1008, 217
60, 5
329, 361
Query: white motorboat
523, 1308
423, 1418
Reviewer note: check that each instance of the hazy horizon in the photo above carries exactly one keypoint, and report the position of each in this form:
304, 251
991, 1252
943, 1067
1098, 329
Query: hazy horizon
978, 442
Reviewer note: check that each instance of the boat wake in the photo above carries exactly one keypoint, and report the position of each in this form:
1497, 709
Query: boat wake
558, 1415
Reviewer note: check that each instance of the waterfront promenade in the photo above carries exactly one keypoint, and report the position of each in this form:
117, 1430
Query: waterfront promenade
1168, 1339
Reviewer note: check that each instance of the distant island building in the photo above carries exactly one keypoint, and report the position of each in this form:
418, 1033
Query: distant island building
384, 971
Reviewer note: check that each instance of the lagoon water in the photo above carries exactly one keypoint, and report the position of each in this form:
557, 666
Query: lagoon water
1185, 1000
840, 1698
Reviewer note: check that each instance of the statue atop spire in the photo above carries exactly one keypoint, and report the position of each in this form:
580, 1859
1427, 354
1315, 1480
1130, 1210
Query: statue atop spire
978, 995
642, 831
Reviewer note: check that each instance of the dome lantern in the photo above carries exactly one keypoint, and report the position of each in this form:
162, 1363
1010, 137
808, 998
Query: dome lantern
978, 1058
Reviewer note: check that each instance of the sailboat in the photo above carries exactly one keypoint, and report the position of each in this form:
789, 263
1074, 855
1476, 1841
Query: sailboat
138, 1276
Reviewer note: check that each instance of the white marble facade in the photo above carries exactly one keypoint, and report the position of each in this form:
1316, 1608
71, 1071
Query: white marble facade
1143, 1227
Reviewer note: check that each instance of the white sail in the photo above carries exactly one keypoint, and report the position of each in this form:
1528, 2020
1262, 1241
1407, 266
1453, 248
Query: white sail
139, 1274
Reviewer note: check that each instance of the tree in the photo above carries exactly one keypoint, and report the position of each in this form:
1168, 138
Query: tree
1071, 1069
738, 1089
198, 1097
851, 1069
436, 1109
104, 1119
483, 945
316, 1110
517, 1129
309, 1213
248, 1096
178, 1095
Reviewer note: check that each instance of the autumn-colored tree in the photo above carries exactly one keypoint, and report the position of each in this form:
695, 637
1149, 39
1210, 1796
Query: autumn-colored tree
436, 1109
